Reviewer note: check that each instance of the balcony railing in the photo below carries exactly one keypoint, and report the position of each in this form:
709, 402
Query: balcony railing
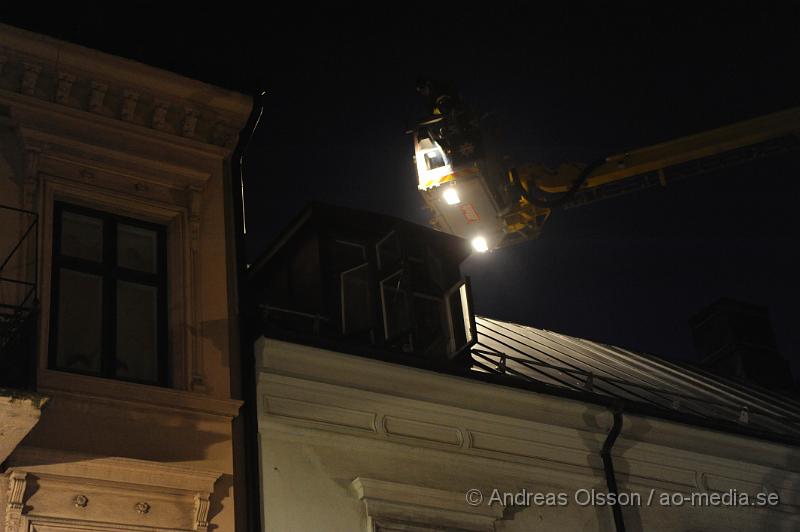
19, 296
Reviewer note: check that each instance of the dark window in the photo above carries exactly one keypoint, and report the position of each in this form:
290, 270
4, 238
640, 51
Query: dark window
356, 300
388, 251
108, 314
396, 309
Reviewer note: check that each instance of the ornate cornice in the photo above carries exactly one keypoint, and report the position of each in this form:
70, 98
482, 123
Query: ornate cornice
72, 76
103, 469
393, 504
308, 394
75, 387
86, 489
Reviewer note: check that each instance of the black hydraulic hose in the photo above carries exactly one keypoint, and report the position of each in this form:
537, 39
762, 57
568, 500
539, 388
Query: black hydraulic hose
608, 467
562, 198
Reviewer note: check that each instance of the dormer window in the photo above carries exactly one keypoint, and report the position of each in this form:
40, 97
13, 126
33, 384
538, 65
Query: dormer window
369, 281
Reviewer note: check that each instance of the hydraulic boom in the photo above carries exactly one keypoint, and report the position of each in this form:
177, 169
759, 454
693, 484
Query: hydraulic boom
492, 206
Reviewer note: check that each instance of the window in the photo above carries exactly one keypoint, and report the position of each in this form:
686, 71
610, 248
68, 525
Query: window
356, 300
108, 315
396, 312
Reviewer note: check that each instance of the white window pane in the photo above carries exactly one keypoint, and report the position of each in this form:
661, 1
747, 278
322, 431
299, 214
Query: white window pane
136, 248
81, 236
137, 331
466, 312
80, 307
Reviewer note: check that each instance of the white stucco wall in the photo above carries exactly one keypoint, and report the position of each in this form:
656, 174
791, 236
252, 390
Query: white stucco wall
328, 419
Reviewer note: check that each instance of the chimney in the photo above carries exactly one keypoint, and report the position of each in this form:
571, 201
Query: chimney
735, 340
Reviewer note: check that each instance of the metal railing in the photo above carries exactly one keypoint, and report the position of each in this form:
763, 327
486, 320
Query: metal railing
314, 319
19, 298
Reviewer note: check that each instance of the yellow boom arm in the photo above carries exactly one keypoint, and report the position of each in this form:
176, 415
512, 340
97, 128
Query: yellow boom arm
654, 165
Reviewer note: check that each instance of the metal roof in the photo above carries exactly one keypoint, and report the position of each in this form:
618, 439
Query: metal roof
608, 372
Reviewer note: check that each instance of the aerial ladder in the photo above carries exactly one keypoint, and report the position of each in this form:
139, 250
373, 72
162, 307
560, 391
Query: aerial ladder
473, 196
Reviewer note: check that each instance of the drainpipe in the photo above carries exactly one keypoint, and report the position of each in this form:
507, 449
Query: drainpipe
246, 443
608, 467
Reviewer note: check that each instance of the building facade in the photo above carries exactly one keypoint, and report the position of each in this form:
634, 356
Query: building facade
118, 289
369, 422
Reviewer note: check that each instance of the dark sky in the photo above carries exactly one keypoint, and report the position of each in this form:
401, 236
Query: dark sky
566, 83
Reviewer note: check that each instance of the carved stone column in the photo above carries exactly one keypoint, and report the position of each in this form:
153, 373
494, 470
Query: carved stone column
197, 380
17, 482
31, 180
201, 505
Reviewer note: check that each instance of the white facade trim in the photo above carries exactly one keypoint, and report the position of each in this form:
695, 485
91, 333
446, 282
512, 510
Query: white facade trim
479, 435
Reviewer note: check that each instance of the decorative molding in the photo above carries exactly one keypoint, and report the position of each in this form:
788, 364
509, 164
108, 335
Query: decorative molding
64, 87
310, 394
31, 182
30, 77
407, 428
392, 504
197, 380
299, 407
129, 100
323, 369
194, 201
97, 97
15, 500
201, 506
315, 412
125, 494
210, 115
189, 122
62, 161
159, 120
223, 135
99, 470
133, 396
142, 508
80, 501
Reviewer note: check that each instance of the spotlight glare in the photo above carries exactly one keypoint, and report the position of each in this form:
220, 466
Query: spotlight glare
450, 195
480, 245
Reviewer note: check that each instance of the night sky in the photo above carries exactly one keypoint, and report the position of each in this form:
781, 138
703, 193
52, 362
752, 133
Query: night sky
569, 83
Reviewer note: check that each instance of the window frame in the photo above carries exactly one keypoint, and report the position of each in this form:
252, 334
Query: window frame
110, 273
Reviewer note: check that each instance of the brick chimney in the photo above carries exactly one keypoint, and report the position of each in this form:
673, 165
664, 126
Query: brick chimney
735, 340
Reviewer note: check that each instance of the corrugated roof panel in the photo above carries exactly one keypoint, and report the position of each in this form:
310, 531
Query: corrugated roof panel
576, 364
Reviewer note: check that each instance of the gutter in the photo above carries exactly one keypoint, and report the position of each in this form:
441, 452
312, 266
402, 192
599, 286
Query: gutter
608, 468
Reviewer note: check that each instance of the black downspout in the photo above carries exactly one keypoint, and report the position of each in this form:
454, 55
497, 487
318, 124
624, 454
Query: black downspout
608, 467
248, 416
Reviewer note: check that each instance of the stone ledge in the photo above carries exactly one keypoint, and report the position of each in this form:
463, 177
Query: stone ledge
390, 503
19, 413
62, 384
